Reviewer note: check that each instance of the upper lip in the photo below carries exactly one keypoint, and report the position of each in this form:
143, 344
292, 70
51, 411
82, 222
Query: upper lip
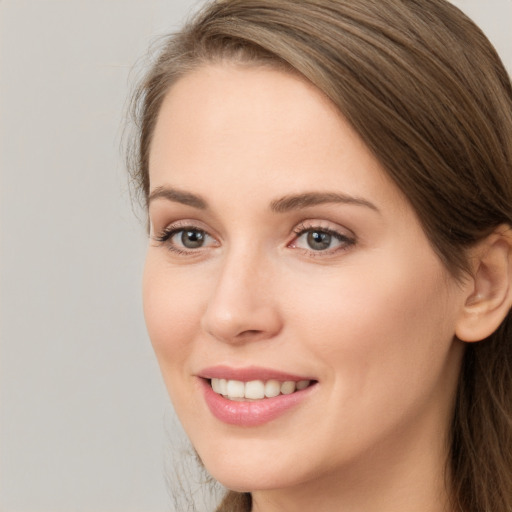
249, 373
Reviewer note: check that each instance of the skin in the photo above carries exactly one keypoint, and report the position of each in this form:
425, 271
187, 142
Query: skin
372, 318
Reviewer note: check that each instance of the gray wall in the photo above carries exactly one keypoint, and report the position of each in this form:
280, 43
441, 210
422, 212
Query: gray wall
85, 421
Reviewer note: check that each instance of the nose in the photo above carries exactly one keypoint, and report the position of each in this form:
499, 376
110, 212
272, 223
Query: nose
243, 305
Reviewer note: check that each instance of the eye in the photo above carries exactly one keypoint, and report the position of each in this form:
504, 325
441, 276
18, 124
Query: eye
185, 239
191, 238
321, 239
318, 240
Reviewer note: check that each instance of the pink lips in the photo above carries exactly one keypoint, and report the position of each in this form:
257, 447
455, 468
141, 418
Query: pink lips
246, 413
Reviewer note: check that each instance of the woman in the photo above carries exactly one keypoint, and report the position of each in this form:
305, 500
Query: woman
328, 283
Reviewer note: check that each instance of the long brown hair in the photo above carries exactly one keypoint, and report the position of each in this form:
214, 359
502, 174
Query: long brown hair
428, 94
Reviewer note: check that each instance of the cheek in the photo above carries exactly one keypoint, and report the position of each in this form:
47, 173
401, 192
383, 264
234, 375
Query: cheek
383, 343
378, 326
171, 311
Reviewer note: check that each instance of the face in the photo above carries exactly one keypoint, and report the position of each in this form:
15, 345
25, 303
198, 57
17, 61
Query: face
287, 271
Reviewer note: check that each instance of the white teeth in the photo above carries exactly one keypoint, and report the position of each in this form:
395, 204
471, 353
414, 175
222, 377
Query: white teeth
220, 386
236, 389
216, 386
256, 389
223, 386
272, 388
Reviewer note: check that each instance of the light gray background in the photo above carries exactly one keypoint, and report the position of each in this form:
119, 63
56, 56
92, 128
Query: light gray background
85, 422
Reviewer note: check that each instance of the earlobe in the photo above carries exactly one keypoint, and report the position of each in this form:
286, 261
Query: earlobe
490, 299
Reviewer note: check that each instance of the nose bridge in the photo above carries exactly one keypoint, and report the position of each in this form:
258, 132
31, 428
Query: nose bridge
241, 306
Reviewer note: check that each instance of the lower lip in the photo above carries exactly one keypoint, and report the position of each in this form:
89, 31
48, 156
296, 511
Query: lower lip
251, 414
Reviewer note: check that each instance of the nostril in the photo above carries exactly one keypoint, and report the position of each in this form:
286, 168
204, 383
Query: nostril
250, 332
250, 335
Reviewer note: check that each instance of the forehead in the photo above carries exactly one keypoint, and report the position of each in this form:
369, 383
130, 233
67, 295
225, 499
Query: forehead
231, 123
233, 102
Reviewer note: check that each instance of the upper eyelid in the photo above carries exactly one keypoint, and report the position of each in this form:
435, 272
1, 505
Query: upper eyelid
323, 225
345, 236
334, 233
164, 239
174, 229
298, 228
340, 236
181, 224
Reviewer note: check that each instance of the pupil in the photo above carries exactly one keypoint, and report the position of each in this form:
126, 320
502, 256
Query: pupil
319, 241
192, 239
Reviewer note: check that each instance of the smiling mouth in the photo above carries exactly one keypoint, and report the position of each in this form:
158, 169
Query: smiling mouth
256, 390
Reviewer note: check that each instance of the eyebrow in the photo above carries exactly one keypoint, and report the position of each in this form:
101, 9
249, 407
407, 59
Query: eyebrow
299, 201
178, 196
281, 205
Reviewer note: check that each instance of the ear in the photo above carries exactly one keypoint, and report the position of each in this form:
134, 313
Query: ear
490, 299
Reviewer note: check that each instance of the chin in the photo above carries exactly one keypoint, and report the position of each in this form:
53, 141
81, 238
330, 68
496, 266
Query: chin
249, 479
253, 468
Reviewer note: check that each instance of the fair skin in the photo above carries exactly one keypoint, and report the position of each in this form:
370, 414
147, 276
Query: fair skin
343, 290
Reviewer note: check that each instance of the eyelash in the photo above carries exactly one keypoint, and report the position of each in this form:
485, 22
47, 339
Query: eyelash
169, 232
346, 241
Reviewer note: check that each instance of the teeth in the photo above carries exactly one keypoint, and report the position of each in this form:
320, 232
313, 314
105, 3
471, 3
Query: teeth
302, 384
288, 387
215, 383
256, 389
272, 388
236, 389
